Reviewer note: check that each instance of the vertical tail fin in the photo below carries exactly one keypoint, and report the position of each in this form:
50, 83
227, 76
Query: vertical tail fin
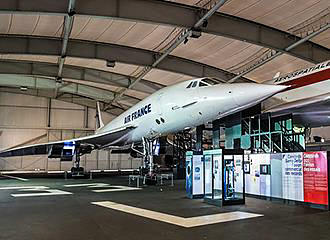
99, 122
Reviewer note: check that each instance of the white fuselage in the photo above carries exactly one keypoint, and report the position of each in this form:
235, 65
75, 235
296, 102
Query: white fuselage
177, 107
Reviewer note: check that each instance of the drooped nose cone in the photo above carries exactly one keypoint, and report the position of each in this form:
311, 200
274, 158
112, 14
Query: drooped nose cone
249, 93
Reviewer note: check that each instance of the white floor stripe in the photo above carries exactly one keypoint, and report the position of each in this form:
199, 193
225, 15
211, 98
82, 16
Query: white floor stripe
90, 185
23, 187
116, 189
49, 192
43, 191
179, 221
17, 178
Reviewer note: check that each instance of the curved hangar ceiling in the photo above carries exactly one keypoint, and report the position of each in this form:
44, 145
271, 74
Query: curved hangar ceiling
81, 49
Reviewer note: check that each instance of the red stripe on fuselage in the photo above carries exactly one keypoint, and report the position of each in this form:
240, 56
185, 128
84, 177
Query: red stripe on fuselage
308, 79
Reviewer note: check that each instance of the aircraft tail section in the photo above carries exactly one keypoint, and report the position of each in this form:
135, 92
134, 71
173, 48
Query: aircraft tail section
99, 122
317, 73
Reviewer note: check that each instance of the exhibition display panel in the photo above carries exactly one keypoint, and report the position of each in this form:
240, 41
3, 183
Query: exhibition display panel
222, 177
299, 177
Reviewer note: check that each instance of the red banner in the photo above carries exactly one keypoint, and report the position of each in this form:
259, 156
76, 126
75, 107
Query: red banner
315, 177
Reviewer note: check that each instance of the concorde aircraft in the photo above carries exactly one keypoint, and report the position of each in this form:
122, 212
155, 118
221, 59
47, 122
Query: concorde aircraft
169, 110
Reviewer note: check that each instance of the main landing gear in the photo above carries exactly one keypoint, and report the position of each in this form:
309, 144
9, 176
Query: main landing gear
76, 170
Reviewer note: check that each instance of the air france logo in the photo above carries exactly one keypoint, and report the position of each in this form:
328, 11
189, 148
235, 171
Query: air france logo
138, 113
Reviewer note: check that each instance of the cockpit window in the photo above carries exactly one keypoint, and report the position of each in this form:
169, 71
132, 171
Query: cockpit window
194, 84
203, 84
189, 85
208, 82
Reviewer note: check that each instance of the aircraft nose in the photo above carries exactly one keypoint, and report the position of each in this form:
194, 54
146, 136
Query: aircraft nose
251, 92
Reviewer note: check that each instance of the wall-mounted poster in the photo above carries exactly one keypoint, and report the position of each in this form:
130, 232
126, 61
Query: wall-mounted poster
189, 175
276, 175
198, 175
315, 177
292, 176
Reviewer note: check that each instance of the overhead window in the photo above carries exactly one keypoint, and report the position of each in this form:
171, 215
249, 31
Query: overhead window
209, 81
194, 84
202, 84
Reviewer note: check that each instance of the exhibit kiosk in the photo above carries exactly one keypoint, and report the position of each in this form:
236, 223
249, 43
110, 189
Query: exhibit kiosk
213, 176
216, 175
194, 174
224, 177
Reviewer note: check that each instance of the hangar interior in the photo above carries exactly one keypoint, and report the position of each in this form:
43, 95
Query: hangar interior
58, 59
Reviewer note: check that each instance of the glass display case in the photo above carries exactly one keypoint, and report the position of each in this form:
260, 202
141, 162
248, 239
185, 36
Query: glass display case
233, 183
212, 175
224, 177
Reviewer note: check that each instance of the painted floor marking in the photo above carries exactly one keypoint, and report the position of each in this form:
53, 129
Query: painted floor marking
48, 192
23, 187
116, 189
89, 185
179, 221
17, 178
43, 191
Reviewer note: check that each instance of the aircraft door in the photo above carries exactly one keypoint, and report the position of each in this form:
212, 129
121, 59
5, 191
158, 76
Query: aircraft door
159, 105
194, 110
157, 116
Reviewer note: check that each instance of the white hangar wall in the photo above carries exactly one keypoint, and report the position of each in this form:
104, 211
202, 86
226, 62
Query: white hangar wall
24, 120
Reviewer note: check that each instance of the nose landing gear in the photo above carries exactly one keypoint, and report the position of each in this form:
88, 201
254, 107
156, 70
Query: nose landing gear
148, 164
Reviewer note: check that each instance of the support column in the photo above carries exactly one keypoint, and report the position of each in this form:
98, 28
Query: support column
49, 107
216, 134
151, 158
86, 117
48, 117
199, 137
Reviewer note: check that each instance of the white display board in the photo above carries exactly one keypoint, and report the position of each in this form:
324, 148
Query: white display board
255, 182
217, 171
238, 161
198, 175
208, 174
292, 176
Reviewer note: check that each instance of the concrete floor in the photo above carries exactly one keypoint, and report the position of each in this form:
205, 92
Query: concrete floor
74, 217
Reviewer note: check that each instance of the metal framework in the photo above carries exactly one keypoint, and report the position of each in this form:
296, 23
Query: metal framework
177, 15
19, 44
67, 28
77, 73
68, 86
185, 34
66, 97
275, 54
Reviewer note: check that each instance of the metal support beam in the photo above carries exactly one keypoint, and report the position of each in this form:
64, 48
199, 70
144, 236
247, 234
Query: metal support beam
86, 117
49, 111
67, 28
175, 14
185, 34
18, 44
32, 82
278, 53
67, 97
76, 73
